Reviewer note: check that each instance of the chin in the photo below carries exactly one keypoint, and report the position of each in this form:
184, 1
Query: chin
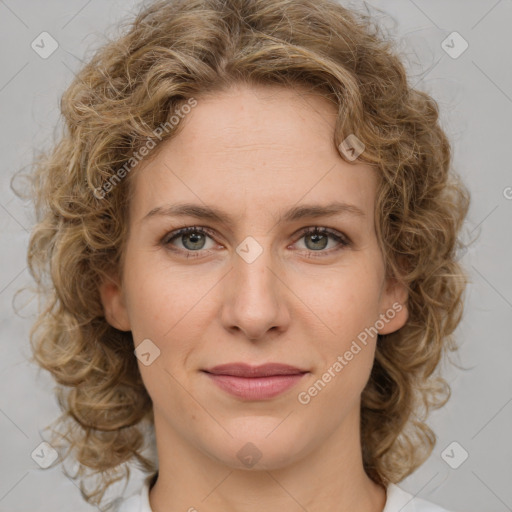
261, 448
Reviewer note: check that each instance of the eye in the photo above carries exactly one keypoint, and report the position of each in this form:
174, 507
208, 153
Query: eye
317, 239
193, 239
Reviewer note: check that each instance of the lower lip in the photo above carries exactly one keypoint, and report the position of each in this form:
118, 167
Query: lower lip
256, 388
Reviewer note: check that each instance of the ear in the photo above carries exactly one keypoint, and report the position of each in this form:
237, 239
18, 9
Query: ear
114, 305
394, 311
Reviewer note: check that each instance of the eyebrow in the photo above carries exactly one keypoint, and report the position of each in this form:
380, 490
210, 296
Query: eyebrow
293, 214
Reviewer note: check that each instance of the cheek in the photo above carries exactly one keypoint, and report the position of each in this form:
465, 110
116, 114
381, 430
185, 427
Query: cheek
157, 296
349, 308
170, 308
162, 311
346, 300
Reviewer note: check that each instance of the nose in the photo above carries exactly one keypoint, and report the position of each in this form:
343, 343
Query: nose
255, 298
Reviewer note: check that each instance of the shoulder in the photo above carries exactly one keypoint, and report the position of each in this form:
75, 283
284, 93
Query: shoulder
399, 500
131, 504
138, 502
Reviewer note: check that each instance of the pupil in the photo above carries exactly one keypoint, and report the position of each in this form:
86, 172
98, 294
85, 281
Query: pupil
195, 238
319, 238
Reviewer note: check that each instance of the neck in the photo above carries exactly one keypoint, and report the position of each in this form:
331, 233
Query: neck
331, 477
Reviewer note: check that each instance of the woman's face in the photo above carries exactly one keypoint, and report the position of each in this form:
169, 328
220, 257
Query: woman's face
258, 286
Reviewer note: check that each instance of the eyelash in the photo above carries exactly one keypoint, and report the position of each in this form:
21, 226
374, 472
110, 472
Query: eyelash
343, 240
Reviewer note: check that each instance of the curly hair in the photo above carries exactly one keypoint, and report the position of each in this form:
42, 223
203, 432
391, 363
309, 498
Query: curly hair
175, 50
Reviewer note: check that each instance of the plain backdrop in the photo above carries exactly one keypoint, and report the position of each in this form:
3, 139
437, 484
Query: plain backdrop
474, 91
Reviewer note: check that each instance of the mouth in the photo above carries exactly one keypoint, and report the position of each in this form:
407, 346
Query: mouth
255, 382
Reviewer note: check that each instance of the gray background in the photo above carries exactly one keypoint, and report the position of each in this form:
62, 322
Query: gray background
474, 91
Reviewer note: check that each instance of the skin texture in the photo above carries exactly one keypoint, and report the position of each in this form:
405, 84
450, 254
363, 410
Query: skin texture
255, 152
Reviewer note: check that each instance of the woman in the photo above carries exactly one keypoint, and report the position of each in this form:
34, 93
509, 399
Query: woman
250, 227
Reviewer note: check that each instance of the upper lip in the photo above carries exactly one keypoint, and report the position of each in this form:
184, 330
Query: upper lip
246, 370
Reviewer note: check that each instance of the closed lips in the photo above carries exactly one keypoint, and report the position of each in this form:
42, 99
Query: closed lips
255, 383
248, 371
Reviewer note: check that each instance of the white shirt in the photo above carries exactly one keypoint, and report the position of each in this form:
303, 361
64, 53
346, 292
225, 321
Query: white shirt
397, 501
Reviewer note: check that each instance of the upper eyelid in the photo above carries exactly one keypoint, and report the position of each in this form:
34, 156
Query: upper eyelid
175, 233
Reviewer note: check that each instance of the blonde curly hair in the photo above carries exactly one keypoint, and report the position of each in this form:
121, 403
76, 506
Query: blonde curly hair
175, 50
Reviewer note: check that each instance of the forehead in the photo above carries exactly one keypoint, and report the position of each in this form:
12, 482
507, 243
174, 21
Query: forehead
259, 148
269, 118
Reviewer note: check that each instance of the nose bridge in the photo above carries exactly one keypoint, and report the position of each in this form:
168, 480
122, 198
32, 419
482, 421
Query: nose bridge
254, 302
